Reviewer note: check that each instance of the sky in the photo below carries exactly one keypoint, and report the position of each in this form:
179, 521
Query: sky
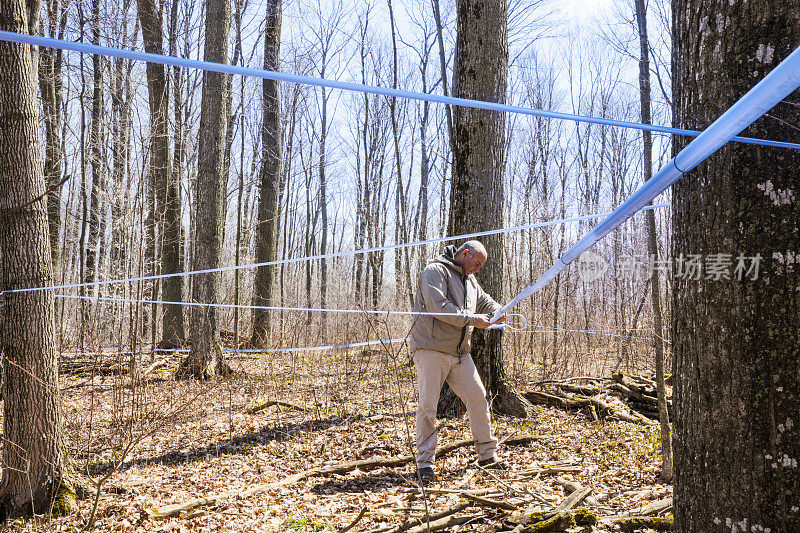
585, 11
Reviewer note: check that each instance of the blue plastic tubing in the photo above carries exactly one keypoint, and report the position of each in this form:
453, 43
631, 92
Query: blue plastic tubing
767, 93
779, 83
48, 42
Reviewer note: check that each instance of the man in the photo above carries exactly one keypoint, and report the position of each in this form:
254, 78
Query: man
441, 345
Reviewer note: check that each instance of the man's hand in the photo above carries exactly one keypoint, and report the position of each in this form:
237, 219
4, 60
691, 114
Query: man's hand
483, 323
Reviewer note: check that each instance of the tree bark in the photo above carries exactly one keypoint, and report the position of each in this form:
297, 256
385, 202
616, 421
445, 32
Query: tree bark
476, 195
96, 159
173, 259
167, 217
205, 359
736, 343
652, 243
323, 198
50, 87
35, 469
271, 168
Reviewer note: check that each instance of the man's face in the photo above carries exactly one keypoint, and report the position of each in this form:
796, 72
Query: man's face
472, 262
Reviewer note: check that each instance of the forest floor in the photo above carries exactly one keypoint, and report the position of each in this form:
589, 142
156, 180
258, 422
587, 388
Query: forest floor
159, 442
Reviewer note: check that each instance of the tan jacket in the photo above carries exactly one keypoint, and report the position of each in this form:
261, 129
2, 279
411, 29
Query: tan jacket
443, 288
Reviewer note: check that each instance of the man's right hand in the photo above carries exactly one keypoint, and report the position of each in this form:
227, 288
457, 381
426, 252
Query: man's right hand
483, 321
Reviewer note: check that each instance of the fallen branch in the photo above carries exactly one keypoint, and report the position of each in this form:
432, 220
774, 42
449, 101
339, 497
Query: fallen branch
477, 492
566, 380
176, 509
31, 202
487, 502
355, 521
269, 403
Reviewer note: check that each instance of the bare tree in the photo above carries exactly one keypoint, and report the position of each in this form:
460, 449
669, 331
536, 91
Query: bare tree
476, 196
205, 358
160, 175
51, 91
401, 200
327, 46
92, 234
271, 173
35, 469
652, 243
122, 95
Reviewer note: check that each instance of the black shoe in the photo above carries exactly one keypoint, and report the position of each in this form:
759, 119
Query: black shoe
427, 474
494, 463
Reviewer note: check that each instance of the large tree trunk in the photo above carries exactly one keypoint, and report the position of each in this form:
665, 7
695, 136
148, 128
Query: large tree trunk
205, 358
161, 178
476, 196
269, 191
652, 242
34, 459
736, 342
173, 253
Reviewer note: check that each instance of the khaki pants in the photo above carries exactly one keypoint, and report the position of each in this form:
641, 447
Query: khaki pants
433, 369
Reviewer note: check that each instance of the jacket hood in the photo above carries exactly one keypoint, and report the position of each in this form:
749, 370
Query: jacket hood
448, 258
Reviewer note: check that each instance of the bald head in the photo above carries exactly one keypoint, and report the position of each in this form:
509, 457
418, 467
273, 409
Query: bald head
471, 256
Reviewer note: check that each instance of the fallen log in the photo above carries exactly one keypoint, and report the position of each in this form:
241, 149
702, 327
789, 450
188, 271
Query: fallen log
443, 523
652, 415
546, 522
572, 402
542, 522
572, 501
616, 413
177, 509
422, 520
651, 509
656, 507
631, 383
542, 398
580, 389
572, 487
618, 389
636, 523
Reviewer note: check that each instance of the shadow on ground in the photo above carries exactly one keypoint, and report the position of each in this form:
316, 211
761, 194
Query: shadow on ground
366, 482
237, 444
